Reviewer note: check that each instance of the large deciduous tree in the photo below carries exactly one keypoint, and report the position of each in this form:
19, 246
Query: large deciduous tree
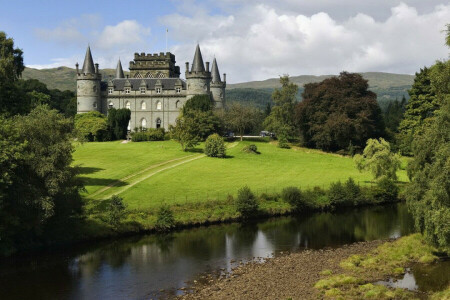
281, 117
240, 118
339, 112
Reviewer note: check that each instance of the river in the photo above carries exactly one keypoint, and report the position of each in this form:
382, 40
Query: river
158, 266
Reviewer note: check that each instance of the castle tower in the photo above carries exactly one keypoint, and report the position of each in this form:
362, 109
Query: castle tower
119, 70
199, 78
217, 86
88, 85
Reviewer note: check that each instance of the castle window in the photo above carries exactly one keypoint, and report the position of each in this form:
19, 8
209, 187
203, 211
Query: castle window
158, 105
143, 105
110, 90
95, 104
158, 90
158, 123
177, 104
110, 105
127, 90
129, 126
144, 123
178, 90
138, 75
142, 90
128, 105
149, 75
160, 75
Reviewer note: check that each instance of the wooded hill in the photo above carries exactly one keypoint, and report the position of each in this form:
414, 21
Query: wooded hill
387, 86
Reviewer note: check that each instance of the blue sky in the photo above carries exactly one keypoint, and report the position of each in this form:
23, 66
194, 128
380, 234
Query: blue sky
252, 40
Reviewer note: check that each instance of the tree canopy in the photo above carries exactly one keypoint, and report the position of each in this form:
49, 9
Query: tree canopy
240, 118
337, 112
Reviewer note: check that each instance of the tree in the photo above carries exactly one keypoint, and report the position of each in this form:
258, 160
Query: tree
118, 120
198, 103
11, 60
428, 194
215, 146
185, 132
240, 118
281, 117
378, 159
91, 126
116, 211
337, 112
246, 202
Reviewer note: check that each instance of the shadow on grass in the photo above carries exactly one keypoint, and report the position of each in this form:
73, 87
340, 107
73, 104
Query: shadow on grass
89, 181
87, 170
195, 150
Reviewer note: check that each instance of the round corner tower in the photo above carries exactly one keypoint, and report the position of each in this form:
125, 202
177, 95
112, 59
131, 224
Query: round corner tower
217, 86
88, 85
199, 78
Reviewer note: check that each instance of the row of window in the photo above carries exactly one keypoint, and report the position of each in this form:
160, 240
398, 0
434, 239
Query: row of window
144, 123
143, 90
143, 105
150, 75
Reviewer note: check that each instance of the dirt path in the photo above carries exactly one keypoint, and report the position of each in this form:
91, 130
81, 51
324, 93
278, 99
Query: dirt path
291, 276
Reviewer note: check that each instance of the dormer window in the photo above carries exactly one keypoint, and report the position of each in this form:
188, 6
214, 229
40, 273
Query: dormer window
158, 90
127, 90
178, 90
110, 90
142, 90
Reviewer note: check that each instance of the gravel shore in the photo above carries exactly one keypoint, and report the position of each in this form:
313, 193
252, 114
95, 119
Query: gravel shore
290, 276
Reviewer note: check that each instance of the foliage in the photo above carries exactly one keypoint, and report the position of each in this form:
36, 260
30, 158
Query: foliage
283, 142
185, 132
42, 186
281, 117
337, 111
118, 120
165, 220
150, 134
428, 195
393, 115
250, 149
241, 119
246, 202
294, 197
384, 191
378, 159
258, 98
337, 194
116, 211
91, 126
197, 103
215, 146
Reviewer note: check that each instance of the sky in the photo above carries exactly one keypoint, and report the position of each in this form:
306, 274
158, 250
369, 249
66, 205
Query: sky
251, 40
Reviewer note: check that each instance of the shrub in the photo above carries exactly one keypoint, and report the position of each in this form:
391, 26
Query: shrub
165, 220
385, 191
246, 203
294, 197
251, 149
337, 194
316, 198
91, 126
215, 146
353, 191
283, 143
116, 210
151, 134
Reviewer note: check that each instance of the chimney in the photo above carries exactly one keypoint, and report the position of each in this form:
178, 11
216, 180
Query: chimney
207, 66
78, 71
224, 77
96, 68
187, 66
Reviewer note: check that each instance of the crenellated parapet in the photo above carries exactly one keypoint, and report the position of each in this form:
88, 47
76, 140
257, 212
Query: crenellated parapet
155, 65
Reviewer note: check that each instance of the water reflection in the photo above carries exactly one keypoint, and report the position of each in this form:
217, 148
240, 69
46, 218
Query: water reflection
158, 265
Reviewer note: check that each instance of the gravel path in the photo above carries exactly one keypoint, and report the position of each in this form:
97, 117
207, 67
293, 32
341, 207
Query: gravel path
290, 276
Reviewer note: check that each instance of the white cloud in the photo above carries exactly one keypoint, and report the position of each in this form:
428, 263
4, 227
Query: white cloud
128, 32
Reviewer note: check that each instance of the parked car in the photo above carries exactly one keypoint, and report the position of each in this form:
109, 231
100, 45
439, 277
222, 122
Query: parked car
267, 133
229, 134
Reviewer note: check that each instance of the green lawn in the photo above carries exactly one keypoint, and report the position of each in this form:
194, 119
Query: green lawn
197, 178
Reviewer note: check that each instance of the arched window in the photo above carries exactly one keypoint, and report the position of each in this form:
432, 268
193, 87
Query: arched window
158, 123
149, 75
110, 105
129, 126
160, 75
144, 123
128, 105
143, 105
158, 105
138, 75
177, 104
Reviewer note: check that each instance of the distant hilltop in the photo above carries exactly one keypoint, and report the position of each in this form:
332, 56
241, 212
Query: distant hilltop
62, 78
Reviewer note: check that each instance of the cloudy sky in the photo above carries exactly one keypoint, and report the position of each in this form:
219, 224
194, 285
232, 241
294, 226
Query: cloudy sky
252, 39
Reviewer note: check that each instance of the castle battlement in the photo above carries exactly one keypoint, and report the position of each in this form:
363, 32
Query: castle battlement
155, 56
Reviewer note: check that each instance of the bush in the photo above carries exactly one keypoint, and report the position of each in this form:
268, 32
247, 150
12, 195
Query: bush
283, 143
151, 134
294, 197
91, 126
116, 210
316, 198
250, 149
385, 191
215, 146
165, 220
246, 203
353, 191
337, 194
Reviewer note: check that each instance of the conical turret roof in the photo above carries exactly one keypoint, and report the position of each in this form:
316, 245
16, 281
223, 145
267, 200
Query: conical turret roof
119, 70
197, 64
88, 65
215, 72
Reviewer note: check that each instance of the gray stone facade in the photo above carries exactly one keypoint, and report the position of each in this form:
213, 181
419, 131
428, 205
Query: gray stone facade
154, 92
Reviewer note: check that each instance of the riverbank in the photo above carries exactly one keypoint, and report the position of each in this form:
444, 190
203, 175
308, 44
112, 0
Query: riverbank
343, 273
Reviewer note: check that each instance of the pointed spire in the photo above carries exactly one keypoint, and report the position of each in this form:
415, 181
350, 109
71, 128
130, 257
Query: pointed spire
215, 72
88, 65
197, 64
119, 70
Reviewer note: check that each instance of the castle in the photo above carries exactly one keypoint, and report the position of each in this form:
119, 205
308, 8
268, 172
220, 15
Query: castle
153, 91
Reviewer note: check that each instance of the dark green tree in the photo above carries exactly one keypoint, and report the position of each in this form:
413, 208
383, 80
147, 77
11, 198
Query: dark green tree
118, 120
215, 146
91, 126
241, 119
339, 111
198, 103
